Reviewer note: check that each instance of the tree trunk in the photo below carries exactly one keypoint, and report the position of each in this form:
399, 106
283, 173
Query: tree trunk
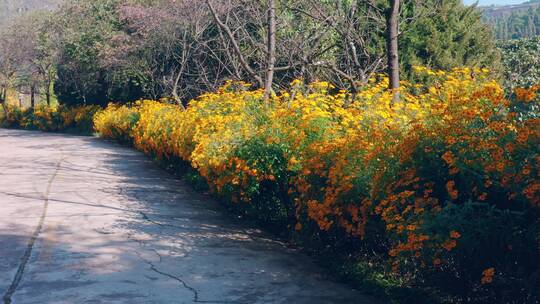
392, 35
3, 95
48, 91
271, 45
175, 90
32, 96
3, 100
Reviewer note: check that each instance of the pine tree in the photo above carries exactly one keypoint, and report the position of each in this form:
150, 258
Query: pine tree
453, 36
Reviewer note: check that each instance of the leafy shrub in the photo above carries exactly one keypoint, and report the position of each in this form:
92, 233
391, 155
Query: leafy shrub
12, 117
439, 191
51, 119
521, 63
116, 122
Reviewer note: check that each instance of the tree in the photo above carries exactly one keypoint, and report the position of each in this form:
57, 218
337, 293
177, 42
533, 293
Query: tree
224, 27
452, 35
122, 50
392, 49
256, 43
347, 41
271, 49
177, 46
20, 48
86, 74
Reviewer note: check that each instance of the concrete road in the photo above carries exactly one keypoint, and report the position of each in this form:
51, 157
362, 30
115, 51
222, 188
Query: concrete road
86, 221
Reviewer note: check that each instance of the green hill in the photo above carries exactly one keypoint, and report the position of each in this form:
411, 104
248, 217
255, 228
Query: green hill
514, 21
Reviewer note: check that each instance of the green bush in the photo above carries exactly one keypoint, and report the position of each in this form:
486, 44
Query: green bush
51, 119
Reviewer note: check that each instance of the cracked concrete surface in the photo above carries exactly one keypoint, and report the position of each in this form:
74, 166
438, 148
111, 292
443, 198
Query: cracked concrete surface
120, 230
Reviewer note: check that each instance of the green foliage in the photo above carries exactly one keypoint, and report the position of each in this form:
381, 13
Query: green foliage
434, 206
84, 75
521, 62
112, 50
270, 201
490, 237
50, 119
452, 36
11, 117
514, 23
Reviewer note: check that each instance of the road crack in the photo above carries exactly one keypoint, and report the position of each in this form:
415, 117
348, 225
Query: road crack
154, 268
30, 246
162, 225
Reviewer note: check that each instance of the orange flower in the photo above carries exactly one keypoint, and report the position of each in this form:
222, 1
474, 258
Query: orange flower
449, 245
487, 276
525, 95
455, 234
450, 187
531, 192
449, 158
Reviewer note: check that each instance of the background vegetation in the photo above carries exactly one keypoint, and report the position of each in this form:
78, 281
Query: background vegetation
93, 52
521, 62
514, 22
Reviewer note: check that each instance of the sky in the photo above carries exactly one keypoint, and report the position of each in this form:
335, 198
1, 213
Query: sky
496, 2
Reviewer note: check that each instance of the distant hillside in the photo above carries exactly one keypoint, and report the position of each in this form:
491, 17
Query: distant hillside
12, 8
514, 21
504, 10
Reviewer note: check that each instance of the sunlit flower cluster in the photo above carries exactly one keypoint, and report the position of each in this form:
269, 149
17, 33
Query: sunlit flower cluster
342, 162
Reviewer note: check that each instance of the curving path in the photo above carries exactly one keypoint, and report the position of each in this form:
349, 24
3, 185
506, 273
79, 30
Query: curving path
86, 221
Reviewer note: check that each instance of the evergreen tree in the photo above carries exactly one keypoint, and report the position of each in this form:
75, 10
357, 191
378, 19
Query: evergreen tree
452, 36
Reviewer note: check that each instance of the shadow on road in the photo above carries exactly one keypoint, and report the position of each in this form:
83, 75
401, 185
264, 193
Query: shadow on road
122, 230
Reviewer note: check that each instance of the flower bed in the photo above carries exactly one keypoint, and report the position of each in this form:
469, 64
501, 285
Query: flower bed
50, 118
440, 190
